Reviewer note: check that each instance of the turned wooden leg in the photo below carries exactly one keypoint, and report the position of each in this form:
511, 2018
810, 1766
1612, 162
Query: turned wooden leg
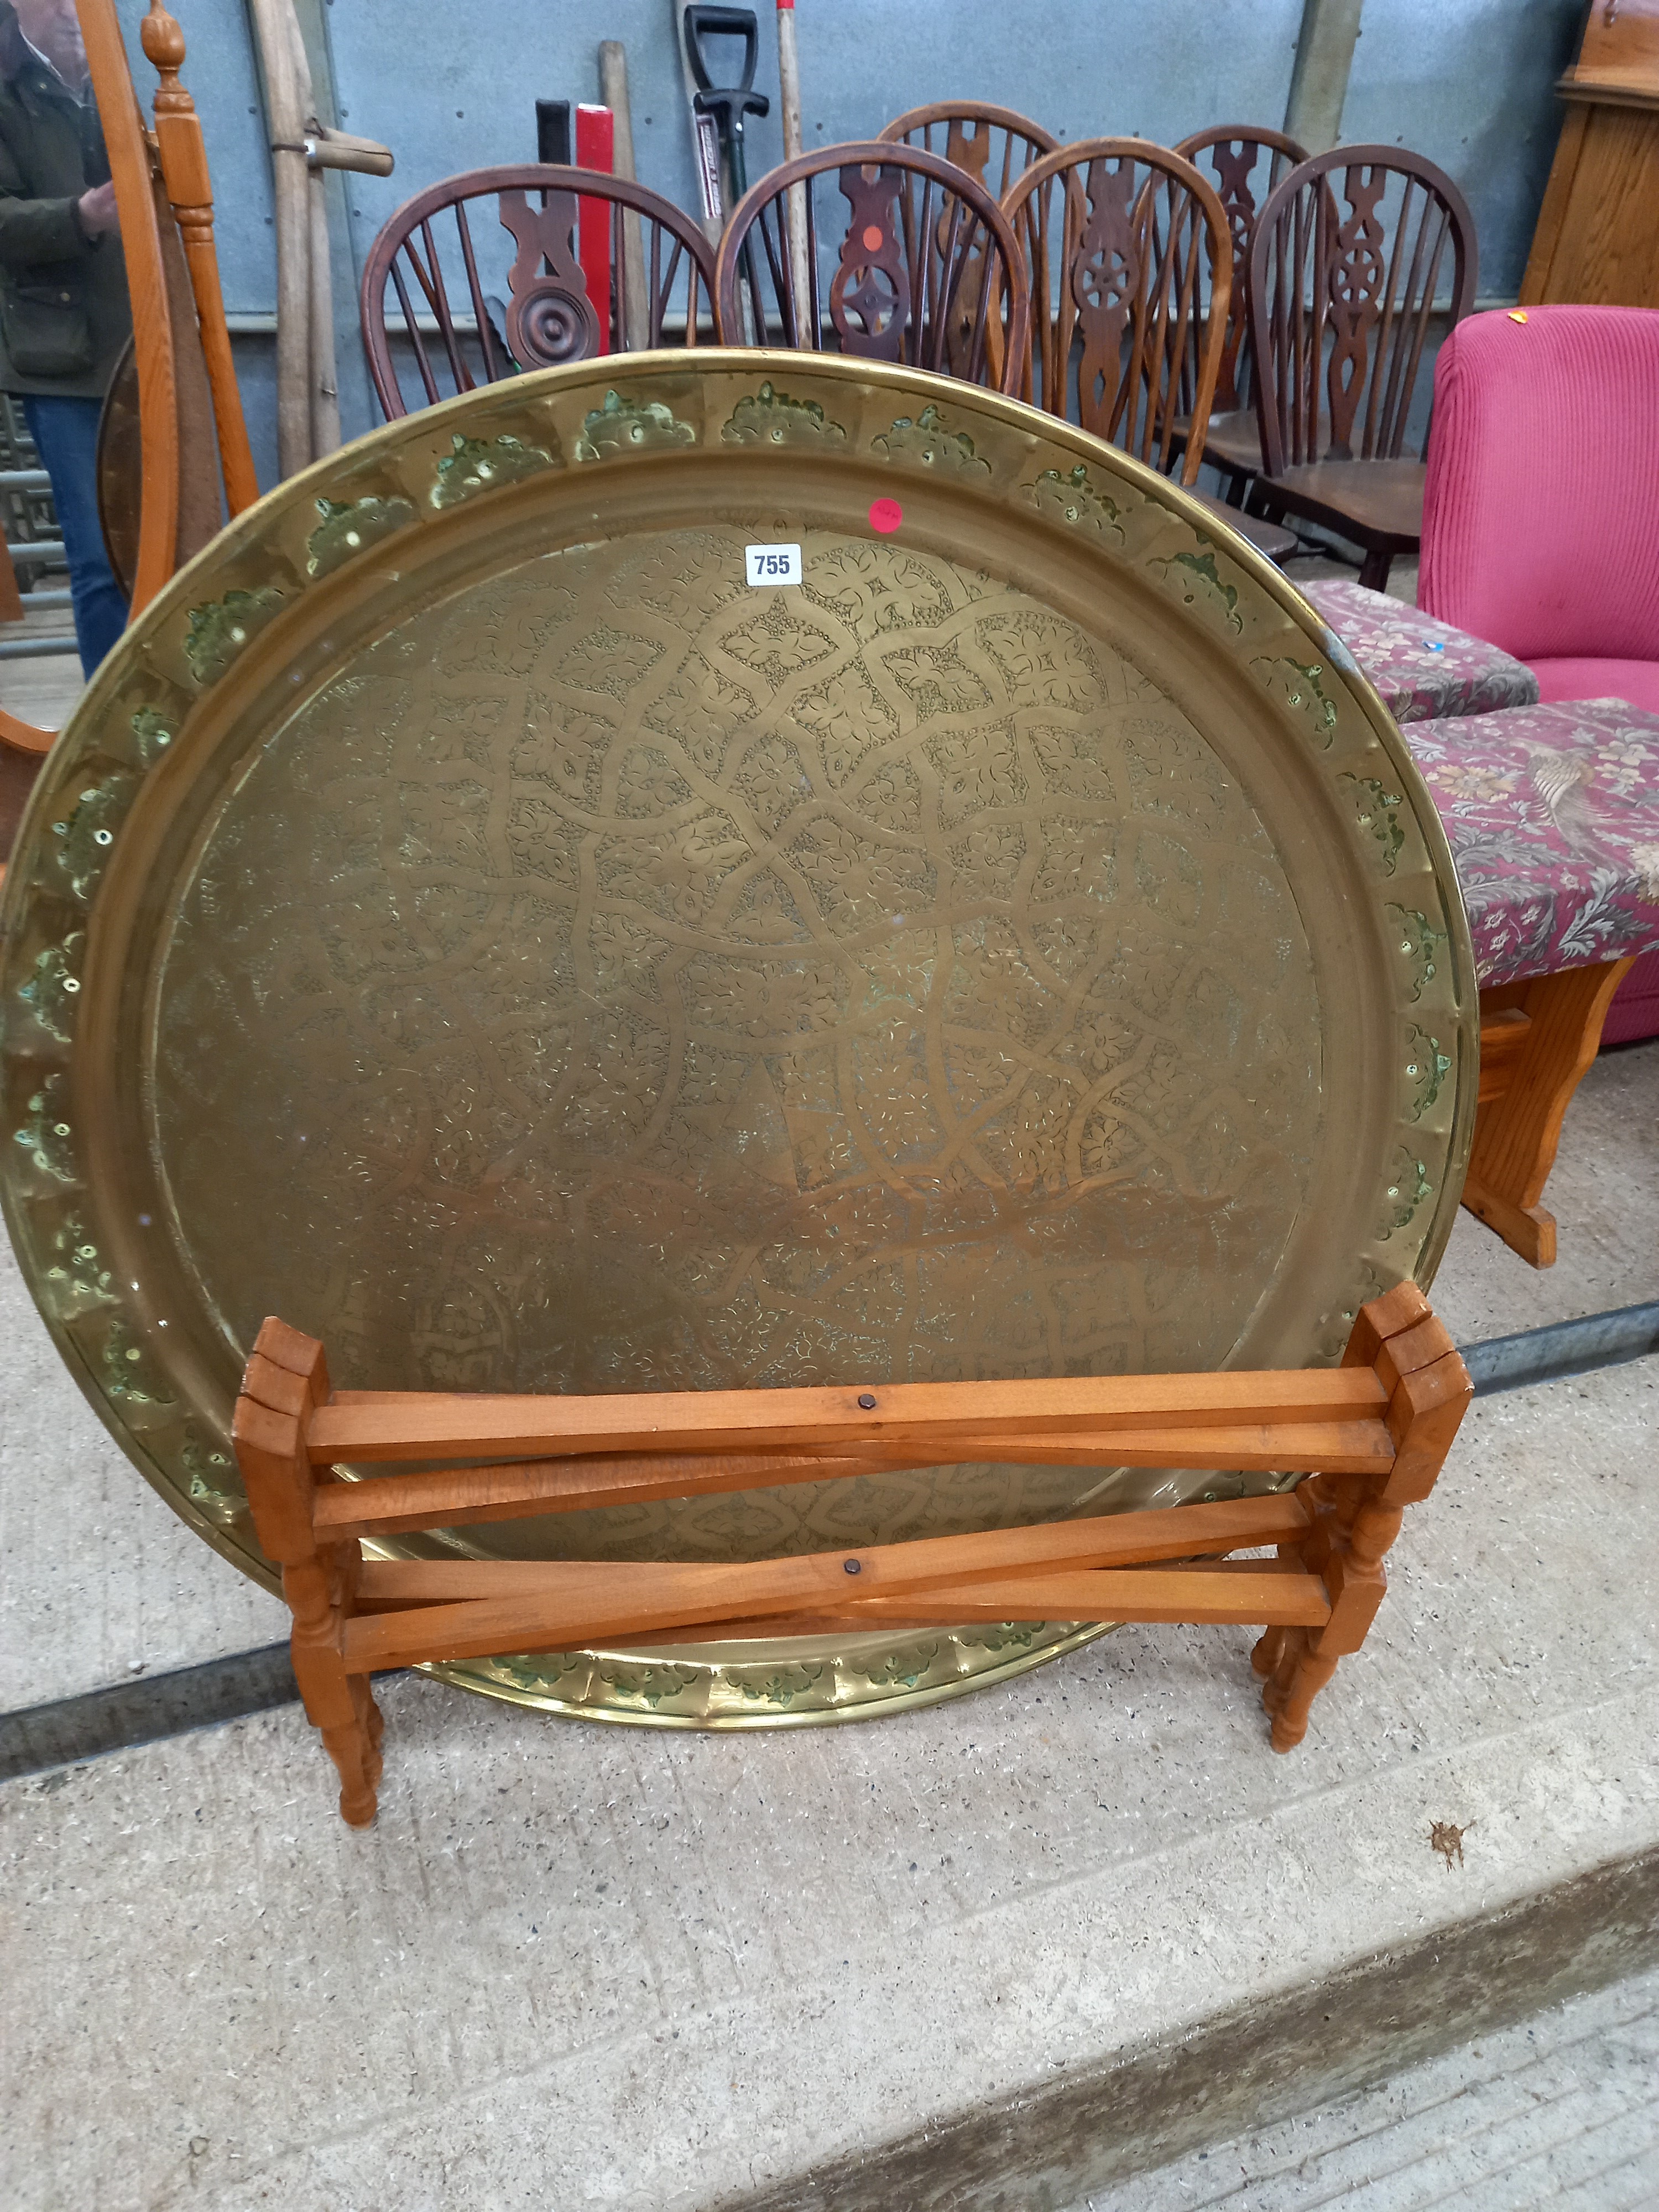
1277, 1687
337, 1704
1518, 1126
374, 1728
1265, 1657
1290, 1717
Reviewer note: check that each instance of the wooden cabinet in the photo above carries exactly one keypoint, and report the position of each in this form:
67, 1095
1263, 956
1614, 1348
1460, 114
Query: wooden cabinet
1598, 238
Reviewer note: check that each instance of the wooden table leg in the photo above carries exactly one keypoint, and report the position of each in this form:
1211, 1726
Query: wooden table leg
1535, 1071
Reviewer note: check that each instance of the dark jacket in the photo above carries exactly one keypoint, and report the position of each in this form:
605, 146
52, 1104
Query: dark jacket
63, 311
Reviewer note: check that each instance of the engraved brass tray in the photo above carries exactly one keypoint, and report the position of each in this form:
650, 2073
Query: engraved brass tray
468, 918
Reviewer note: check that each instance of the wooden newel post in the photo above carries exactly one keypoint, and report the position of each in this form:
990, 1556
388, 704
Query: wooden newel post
286, 1380
183, 158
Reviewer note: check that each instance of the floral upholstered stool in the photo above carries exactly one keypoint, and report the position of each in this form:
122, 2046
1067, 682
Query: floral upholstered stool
1552, 814
1422, 669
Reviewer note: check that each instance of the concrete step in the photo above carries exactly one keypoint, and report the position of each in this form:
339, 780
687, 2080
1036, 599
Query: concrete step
1562, 2110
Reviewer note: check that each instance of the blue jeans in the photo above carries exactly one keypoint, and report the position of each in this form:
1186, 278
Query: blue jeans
65, 433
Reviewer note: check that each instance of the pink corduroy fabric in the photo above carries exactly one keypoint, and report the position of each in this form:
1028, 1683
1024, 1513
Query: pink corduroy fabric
1541, 519
1635, 681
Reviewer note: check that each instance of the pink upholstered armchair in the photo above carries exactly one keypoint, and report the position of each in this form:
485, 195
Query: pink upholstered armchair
1541, 517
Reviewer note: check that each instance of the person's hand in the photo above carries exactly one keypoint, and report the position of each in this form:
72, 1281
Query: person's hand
96, 210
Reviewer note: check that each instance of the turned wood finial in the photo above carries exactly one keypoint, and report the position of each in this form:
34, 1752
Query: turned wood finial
164, 44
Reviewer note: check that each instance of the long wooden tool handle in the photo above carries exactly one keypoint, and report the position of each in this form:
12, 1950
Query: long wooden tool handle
795, 205
613, 91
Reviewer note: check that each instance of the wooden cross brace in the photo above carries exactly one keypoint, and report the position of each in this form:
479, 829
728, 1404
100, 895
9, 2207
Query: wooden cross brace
1370, 1435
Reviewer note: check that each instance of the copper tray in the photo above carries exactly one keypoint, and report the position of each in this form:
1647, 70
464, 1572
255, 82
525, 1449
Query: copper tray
469, 918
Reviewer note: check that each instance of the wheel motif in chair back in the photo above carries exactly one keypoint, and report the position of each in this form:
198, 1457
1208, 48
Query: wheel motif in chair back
867, 297
1106, 282
551, 318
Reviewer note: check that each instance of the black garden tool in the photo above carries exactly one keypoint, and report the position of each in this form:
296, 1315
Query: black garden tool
726, 107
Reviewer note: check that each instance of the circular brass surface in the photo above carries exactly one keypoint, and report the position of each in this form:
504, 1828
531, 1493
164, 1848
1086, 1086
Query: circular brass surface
469, 919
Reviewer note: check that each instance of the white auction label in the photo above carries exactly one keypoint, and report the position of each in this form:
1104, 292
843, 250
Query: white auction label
773, 564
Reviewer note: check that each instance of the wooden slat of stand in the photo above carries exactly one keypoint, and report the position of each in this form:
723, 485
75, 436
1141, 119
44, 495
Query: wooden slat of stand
906, 1413
1393, 1409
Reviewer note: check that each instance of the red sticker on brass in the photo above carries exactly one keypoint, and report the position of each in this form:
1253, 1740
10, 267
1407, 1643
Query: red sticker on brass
886, 516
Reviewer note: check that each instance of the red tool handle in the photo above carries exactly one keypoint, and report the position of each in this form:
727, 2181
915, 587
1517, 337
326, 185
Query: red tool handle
595, 150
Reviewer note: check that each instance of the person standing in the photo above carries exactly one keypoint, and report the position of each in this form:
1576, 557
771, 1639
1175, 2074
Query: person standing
64, 314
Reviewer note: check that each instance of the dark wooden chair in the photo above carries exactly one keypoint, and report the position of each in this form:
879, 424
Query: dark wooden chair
1245, 162
1355, 252
926, 271
1127, 259
510, 292
993, 144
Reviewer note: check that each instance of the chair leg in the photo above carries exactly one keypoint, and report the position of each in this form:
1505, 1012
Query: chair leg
1290, 1717
1277, 1687
1265, 1657
1374, 570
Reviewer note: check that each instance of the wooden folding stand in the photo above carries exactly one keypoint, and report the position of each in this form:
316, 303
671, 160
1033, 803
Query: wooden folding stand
1371, 1435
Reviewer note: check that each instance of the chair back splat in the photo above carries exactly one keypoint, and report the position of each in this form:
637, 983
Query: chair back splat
1244, 161
993, 144
487, 276
1371, 1434
1128, 260
922, 265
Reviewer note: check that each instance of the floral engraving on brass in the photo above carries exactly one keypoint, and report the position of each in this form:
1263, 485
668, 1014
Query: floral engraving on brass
1416, 944
929, 444
624, 426
1426, 1069
1377, 810
349, 527
1409, 1186
1073, 498
1200, 585
775, 418
219, 630
1301, 684
480, 465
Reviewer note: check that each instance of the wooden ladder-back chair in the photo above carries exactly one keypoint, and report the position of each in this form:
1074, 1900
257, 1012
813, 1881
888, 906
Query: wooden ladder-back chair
1355, 253
510, 294
1376, 1429
185, 384
1246, 162
1126, 259
927, 271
